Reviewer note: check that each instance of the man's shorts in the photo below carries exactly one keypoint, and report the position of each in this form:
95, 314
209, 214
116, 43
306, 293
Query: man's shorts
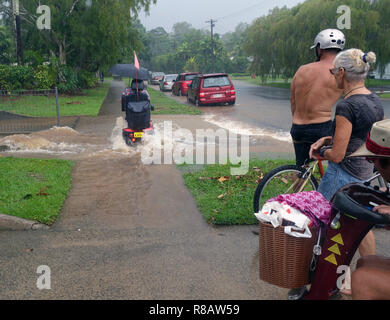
307, 134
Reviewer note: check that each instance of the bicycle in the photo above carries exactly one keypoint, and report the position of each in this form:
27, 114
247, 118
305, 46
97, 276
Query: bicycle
294, 179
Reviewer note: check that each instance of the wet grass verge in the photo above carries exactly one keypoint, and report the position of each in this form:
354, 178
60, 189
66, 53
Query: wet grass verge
282, 83
224, 199
34, 189
87, 103
166, 105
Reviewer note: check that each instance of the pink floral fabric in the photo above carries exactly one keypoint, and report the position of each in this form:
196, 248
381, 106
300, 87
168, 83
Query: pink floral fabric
310, 203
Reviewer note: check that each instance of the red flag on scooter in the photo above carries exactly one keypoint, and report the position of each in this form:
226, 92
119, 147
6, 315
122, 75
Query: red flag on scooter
136, 62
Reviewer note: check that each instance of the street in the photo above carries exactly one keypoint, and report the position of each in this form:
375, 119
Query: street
264, 110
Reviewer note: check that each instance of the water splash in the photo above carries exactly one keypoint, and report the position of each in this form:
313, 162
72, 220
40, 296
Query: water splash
56, 140
242, 128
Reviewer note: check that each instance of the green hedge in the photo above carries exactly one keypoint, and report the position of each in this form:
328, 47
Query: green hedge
45, 77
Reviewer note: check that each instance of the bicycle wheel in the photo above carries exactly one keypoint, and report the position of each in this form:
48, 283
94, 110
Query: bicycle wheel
282, 180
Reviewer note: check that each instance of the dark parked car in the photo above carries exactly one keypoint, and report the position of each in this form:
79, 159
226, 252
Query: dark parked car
212, 89
180, 87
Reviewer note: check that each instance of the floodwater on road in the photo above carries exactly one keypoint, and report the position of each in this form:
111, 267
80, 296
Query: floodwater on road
259, 111
72, 144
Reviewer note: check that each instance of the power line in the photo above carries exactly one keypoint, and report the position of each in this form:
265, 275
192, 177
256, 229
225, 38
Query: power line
242, 11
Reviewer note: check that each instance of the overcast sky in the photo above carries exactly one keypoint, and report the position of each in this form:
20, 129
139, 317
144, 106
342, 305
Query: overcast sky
228, 13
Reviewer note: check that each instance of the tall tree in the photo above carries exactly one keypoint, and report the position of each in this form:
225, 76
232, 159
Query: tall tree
5, 46
279, 42
83, 33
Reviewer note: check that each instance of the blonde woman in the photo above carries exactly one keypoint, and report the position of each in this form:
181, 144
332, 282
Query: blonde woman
355, 115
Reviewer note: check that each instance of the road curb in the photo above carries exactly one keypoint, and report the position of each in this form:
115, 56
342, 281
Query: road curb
11, 223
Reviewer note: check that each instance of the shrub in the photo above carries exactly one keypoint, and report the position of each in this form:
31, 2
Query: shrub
16, 77
86, 79
68, 82
44, 79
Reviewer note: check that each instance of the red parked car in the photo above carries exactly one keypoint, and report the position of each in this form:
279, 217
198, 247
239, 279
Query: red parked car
180, 87
212, 89
156, 78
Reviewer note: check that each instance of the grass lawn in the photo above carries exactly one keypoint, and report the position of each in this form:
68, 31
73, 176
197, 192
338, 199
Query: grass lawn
34, 189
166, 105
88, 103
377, 82
385, 95
276, 83
224, 199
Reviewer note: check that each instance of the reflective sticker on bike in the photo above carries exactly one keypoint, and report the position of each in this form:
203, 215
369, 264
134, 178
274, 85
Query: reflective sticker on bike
338, 239
332, 259
335, 249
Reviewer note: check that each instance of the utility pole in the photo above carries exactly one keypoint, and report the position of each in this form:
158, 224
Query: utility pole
18, 31
212, 25
174, 49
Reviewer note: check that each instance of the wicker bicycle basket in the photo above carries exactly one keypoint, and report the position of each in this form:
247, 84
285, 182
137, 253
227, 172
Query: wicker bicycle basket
284, 260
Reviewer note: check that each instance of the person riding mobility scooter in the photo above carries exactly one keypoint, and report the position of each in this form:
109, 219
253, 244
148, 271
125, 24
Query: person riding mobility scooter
136, 103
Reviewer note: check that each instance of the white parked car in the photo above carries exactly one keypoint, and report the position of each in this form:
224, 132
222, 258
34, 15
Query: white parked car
167, 82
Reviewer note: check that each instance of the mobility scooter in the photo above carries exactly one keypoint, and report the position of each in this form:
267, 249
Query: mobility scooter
136, 103
352, 218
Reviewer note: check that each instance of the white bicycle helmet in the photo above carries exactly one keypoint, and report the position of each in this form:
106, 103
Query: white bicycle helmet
330, 39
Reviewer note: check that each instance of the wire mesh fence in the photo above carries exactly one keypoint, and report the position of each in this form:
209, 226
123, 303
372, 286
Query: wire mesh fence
25, 111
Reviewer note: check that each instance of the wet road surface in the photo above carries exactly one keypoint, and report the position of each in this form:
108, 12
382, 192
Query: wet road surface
258, 108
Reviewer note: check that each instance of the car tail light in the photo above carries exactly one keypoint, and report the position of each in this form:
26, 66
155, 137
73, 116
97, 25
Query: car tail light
201, 94
165, 83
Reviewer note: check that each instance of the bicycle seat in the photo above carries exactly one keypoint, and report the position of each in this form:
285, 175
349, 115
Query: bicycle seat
356, 200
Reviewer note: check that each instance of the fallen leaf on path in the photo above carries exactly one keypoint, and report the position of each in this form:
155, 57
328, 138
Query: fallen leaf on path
222, 195
223, 179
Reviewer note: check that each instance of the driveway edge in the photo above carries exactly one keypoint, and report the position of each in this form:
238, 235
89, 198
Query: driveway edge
11, 223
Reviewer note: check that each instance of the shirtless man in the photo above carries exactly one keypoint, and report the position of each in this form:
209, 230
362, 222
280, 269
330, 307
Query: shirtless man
314, 93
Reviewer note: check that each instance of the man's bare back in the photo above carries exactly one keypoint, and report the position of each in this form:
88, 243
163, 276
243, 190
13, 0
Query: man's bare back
314, 92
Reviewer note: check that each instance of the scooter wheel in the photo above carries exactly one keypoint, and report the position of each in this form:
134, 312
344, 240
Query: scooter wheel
128, 140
